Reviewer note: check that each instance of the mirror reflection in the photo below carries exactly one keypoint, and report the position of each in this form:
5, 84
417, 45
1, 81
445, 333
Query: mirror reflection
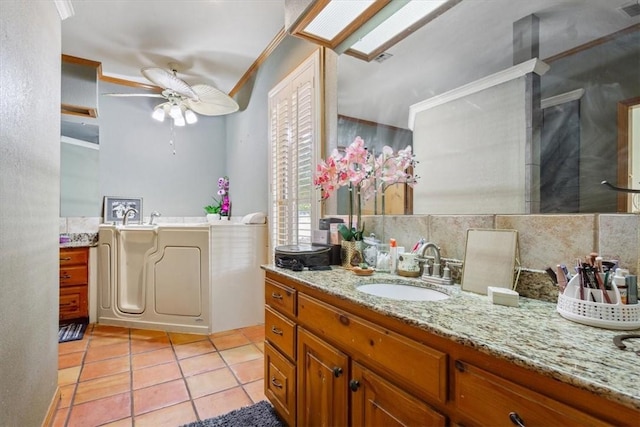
583, 107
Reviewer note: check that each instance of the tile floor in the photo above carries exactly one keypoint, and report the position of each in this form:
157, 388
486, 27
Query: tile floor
120, 377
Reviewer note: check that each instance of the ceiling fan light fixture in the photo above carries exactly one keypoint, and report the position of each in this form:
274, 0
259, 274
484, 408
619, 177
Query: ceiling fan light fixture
179, 121
158, 113
190, 117
176, 112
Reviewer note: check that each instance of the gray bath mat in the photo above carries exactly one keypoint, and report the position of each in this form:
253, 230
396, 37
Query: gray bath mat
71, 332
260, 414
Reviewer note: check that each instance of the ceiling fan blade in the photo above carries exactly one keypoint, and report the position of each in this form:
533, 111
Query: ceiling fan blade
167, 80
152, 95
211, 101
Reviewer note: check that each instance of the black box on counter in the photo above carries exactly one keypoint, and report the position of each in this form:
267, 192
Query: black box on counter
325, 223
335, 256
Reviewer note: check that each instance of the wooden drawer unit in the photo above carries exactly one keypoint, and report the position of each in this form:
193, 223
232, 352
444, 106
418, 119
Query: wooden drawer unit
280, 297
415, 366
74, 279
73, 302
488, 400
280, 383
281, 332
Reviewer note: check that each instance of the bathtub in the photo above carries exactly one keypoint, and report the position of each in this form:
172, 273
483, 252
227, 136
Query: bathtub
154, 277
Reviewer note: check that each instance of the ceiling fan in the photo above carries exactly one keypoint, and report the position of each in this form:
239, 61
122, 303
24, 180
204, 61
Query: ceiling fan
182, 99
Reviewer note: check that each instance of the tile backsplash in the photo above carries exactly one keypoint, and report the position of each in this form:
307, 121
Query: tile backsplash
544, 240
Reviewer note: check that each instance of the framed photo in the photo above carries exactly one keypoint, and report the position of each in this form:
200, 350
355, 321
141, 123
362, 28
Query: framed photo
115, 207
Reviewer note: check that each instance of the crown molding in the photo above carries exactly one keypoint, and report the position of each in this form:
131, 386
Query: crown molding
65, 8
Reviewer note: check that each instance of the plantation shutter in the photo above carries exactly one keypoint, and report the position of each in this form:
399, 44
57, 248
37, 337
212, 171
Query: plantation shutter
294, 143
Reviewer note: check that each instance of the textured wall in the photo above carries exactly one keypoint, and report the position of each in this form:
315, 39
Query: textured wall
29, 208
248, 130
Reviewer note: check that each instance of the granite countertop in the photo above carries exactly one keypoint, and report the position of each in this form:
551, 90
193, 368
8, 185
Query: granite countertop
532, 335
79, 240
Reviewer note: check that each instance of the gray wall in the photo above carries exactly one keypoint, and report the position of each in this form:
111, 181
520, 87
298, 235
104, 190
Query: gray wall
29, 207
608, 73
79, 182
137, 159
248, 130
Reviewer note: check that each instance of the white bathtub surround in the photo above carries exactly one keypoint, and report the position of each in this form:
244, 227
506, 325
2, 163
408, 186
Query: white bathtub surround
237, 281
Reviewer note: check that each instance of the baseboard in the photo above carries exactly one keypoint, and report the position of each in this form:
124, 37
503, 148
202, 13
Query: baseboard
53, 407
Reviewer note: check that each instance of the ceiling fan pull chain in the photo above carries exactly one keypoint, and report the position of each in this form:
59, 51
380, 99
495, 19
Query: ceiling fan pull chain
172, 137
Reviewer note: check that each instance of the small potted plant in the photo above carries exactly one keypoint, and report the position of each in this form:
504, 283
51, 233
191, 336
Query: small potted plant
221, 207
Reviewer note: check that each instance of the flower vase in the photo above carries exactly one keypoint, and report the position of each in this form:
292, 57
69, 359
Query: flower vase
212, 218
351, 253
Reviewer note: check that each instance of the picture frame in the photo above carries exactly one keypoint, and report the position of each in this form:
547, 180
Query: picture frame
115, 207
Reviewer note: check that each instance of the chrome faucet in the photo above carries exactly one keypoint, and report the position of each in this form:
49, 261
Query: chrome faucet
434, 277
436, 258
154, 214
126, 214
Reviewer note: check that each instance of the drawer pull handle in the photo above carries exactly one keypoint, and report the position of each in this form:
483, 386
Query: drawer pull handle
275, 382
66, 276
337, 371
354, 385
275, 295
276, 331
67, 304
66, 259
516, 420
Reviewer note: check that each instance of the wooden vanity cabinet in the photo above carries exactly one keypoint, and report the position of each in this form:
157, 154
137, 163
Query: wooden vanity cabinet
329, 361
487, 399
74, 287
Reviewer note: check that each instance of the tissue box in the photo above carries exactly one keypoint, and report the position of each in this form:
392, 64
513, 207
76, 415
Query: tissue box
503, 296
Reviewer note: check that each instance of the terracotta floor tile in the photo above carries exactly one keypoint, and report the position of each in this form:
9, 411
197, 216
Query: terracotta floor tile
221, 403
255, 390
109, 331
126, 422
60, 418
179, 338
241, 354
250, 371
151, 358
68, 375
260, 345
102, 387
155, 375
254, 333
159, 396
230, 341
171, 416
193, 349
69, 360
108, 340
223, 333
66, 394
199, 364
149, 344
146, 334
105, 368
210, 382
73, 346
101, 411
107, 352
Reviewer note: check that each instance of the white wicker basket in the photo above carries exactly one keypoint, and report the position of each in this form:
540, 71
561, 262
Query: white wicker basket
599, 314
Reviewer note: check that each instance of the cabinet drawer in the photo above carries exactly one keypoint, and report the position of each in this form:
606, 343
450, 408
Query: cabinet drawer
415, 366
72, 256
280, 331
73, 302
280, 297
76, 275
487, 399
280, 383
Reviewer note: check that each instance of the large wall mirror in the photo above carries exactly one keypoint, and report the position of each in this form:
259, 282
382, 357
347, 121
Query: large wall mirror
588, 95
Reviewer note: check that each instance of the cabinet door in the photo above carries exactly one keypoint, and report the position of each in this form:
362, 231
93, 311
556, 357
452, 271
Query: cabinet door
322, 382
489, 400
376, 402
280, 383
73, 302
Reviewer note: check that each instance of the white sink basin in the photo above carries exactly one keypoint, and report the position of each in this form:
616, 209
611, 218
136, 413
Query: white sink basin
402, 292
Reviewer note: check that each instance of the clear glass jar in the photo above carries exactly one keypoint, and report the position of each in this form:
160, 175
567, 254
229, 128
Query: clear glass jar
383, 259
